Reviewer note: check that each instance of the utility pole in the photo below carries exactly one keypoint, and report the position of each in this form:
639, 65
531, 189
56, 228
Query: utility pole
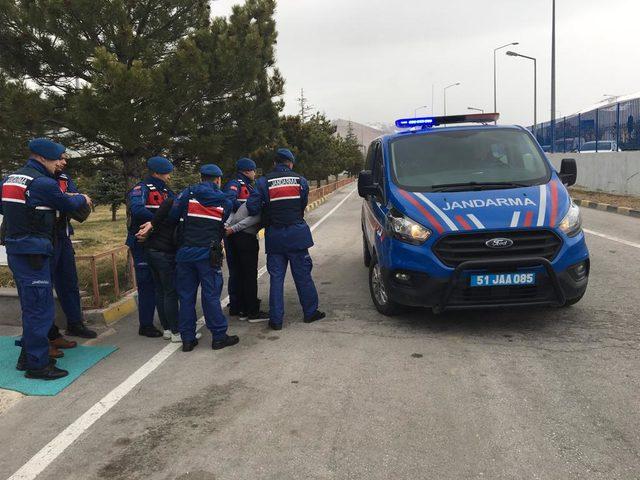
305, 108
553, 76
433, 88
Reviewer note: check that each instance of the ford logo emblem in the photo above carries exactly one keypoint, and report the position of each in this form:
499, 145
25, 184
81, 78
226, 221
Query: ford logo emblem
499, 243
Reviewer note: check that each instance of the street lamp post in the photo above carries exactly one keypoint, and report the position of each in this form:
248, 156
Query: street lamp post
475, 109
415, 111
445, 95
553, 76
495, 81
535, 84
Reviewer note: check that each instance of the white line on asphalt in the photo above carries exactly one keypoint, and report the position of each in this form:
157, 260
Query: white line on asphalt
64, 439
319, 222
615, 239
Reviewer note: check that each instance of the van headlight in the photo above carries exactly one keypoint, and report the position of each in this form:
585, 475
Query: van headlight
571, 224
405, 229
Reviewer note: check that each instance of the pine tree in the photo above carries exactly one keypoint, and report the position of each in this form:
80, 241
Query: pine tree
128, 80
107, 188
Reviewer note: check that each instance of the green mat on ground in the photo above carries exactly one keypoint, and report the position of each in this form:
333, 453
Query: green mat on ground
76, 360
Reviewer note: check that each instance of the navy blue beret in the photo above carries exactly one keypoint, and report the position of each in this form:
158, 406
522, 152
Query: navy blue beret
286, 155
160, 165
46, 148
245, 164
210, 170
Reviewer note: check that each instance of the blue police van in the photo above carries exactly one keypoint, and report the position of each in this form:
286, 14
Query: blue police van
459, 213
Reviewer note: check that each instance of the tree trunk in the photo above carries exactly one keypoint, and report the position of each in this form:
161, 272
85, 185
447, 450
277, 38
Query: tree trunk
114, 209
131, 168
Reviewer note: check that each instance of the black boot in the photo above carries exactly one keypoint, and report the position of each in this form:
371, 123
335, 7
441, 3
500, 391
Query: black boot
150, 331
189, 346
275, 326
22, 361
318, 315
227, 341
80, 330
50, 372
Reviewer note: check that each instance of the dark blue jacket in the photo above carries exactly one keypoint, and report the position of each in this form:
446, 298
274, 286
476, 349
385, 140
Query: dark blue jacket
40, 198
202, 209
143, 200
281, 197
240, 188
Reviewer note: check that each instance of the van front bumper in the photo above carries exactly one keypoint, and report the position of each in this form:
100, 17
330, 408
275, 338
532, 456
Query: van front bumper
553, 288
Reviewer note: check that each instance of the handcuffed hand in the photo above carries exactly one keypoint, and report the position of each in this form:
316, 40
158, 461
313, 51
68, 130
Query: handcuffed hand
145, 230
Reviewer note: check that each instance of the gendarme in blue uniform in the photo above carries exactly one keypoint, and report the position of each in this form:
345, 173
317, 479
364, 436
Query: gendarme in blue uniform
202, 210
143, 200
282, 197
65, 274
30, 198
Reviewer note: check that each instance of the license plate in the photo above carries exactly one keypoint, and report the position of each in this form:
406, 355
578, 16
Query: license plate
503, 279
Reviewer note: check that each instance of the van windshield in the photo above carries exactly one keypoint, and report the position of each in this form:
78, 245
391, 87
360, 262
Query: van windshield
467, 159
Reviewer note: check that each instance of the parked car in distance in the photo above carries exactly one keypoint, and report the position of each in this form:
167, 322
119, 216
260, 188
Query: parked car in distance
602, 146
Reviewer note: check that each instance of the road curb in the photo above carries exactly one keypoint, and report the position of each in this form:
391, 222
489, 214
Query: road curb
605, 207
114, 312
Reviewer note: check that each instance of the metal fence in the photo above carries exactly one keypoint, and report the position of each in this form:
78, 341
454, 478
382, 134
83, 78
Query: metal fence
619, 122
318, 193
105, 277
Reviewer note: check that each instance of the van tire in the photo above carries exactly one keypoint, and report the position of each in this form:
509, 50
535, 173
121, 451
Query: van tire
378, 291
573, 301
366, 254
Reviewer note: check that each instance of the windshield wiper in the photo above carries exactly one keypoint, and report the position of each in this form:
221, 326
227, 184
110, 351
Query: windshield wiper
448, 187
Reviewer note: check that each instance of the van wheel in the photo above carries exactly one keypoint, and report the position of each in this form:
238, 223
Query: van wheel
366, 254
378, 291
573, 301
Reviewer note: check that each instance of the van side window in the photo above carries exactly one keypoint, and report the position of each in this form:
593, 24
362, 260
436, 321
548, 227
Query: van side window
370, 156
378, 167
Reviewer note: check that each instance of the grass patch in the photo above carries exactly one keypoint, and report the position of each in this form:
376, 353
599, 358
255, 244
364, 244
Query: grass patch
98, 233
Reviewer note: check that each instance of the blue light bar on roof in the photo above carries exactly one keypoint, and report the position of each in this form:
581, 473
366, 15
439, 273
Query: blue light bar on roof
425, 122
428, 122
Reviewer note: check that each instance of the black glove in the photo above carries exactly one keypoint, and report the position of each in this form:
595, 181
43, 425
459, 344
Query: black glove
216, 254
81, 214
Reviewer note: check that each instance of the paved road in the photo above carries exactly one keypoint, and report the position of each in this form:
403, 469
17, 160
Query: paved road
540, 394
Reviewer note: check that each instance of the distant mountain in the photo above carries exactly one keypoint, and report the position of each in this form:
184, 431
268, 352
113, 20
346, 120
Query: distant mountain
365, 133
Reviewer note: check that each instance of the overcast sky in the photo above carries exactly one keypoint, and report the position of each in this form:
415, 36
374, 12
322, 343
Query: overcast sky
376, 60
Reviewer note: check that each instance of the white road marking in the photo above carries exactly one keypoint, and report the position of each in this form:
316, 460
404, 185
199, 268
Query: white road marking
615, 239
64, 439
319, 222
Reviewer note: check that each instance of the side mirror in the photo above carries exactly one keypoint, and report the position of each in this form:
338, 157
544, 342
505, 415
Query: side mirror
568, 171
366, 186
